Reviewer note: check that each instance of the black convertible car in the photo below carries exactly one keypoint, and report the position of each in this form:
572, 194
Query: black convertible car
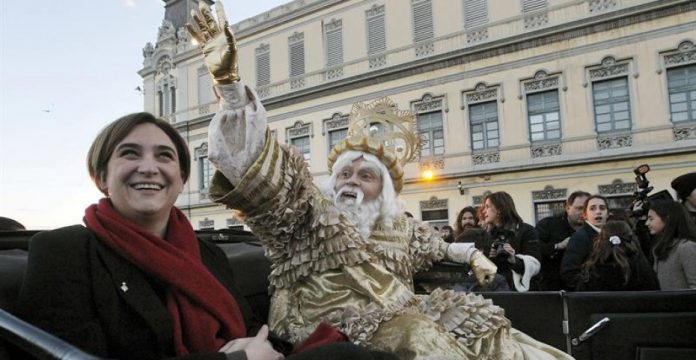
588, 325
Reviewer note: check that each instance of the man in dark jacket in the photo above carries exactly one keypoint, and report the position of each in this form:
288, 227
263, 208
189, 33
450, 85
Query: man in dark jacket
685, 186
554, 234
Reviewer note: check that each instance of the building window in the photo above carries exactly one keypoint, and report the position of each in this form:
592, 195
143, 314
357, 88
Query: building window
336, 136
681, 82
205, 170
611, 105
263, 65
206, 224
422, 20
430, 129
299, 136
302, 146
475, 13
297, 54
543, 112
484, 125
337, 129
376, 30
546, 209
333, 42
435, 212
533, 5
205, 86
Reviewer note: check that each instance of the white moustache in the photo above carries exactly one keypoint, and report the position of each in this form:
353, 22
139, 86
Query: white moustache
349, 195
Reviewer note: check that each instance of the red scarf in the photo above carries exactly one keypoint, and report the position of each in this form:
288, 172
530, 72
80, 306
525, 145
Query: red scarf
204, 313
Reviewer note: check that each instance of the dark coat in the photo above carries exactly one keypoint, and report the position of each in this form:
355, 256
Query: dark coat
525, 242
610, 276
80, 290
577, 252
552, 230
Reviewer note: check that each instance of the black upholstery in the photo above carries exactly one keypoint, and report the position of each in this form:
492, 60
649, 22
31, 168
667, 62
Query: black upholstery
537, 314
12, 266
648, 319
650, 353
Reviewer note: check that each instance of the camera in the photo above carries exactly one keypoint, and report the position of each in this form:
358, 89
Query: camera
501, 237
639, 206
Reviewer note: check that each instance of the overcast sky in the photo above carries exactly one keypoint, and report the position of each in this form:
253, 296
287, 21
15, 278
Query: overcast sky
67, 68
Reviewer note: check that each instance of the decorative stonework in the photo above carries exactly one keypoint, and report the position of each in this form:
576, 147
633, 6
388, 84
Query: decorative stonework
164, 65
684, 54
300, 129
206, 224
425, 49
337, 121
148, 50
334, 73
203, 109
541, 81
480, 93
546, 150
535, 21
378, 61
596, 6
486, 158
615, 141
333, 24
166, 31
684, 132
618, 187
432, 164
549, 193
262, 49
478, 199
201, 151
434, 204
427, 103
375, 10
473, 37
263, 92
296, 37
608, 68
297, 84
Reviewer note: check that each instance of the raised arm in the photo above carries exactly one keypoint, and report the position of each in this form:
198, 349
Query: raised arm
236, 132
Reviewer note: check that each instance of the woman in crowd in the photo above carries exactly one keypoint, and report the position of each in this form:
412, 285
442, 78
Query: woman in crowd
674, 251
515, 244
595, 211
616, 262
135, 282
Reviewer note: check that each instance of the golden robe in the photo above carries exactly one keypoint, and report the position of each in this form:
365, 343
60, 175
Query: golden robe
324, 270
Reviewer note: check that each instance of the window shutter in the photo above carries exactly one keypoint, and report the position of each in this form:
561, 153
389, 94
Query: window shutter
334, 43
263, 65
422, 20
297, 56
532, 5
475, 13
376, 31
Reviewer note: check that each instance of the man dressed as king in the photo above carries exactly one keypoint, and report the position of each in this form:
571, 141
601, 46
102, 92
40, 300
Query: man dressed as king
346, 255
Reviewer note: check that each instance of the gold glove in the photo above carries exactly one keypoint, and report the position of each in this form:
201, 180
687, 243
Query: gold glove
216, 41
484, 269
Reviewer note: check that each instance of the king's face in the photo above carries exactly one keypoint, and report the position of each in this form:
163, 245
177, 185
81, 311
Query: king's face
361, 175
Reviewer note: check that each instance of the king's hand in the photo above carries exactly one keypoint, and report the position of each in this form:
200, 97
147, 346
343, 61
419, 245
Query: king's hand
216, 41
483, 268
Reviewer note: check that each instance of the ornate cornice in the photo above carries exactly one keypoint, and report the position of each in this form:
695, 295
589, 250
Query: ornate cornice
549, 193
433, 204
618, 187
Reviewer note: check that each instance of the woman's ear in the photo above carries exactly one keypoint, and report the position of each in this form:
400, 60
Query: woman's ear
101, 182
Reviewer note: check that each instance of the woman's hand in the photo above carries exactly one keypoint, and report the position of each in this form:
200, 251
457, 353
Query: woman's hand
217, 42
256, 348
511, 251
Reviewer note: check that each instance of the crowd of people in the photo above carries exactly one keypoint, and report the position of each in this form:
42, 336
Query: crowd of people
587, 247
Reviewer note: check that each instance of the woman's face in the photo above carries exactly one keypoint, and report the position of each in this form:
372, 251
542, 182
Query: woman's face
655, 223
491, 214
596, 212
143, 176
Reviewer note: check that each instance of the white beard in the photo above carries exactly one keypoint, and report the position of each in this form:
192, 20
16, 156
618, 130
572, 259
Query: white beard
361, 214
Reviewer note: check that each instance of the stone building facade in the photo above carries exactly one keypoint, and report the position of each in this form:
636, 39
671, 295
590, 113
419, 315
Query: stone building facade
538, 98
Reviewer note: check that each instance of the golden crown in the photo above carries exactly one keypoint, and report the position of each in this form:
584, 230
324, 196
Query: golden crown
381, 129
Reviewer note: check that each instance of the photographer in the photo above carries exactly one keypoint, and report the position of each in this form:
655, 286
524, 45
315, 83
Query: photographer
515, 247
685, 186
